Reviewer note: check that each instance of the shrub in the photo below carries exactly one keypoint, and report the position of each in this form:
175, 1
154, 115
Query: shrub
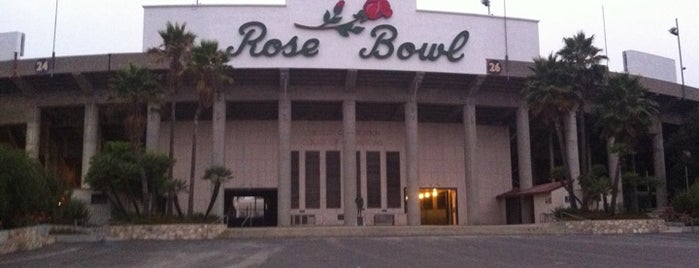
73, 212
116, 171
687, 203
27, 194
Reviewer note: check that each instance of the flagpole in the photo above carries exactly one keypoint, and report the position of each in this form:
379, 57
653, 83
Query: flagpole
604, 26
53, 49
507, 58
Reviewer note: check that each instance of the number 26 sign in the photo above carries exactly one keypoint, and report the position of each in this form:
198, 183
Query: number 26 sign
493, 67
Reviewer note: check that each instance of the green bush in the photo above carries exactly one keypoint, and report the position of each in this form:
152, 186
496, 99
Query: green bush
73, 212
116, 171
27, 194
687, 203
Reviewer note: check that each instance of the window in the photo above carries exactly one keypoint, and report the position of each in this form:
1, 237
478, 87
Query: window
359, 174
313, 179
294, 179
333, 197
373, 179
393, 188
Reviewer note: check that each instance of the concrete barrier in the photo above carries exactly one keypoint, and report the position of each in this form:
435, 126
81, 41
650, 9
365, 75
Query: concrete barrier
165, 232
35, 237
27, 238
615, 226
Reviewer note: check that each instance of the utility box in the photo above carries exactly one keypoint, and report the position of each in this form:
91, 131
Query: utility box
11, 43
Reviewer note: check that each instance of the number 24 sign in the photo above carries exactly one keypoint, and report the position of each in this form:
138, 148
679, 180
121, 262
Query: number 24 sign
41, 66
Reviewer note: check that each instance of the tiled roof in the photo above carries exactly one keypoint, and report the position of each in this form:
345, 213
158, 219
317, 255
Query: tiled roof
538, 189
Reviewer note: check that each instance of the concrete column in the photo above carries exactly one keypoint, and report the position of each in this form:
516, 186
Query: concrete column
524, 160
659, 164
33, 133
218, 138
284, 162
411, 149
90, 131
219, 131
153, 127
349, 161
470, 146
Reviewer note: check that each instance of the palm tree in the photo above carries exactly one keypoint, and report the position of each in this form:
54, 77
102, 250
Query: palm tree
175, 49
137, 86
624, 113
550, 97
217, 175
211, 72
585, 61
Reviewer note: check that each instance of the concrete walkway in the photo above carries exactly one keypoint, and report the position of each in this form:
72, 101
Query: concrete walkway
390, 231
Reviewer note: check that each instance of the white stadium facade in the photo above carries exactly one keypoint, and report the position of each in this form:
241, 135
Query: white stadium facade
418, 113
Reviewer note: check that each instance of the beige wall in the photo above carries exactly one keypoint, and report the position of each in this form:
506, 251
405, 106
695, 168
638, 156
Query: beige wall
251, 154
494, 171
546, 203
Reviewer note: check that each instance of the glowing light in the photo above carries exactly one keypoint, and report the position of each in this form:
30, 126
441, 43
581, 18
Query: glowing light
427, 195
434, 191
420, 196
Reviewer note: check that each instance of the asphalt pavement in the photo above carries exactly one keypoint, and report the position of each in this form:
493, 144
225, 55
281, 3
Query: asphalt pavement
651, 250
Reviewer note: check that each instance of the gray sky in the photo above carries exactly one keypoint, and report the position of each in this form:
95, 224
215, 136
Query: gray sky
113, 26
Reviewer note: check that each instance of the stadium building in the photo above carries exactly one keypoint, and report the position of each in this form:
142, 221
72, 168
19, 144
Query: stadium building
416, 113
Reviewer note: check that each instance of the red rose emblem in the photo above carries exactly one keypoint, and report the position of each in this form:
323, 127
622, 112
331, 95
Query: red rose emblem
338, 7
375, 9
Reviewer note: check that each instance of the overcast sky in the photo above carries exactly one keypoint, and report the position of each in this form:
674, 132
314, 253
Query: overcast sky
113, 26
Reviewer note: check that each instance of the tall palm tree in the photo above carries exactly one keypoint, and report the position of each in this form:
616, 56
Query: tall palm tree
208, 66
585, 61
175, 50
624, 113
137, 87
550, 97
216, 175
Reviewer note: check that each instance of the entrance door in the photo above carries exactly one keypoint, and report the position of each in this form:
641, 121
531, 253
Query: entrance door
251, 207
438, 206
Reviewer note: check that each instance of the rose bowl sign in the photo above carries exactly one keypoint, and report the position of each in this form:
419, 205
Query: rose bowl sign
370, 34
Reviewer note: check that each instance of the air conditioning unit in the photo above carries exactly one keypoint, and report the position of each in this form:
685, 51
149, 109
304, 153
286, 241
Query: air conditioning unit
11, 44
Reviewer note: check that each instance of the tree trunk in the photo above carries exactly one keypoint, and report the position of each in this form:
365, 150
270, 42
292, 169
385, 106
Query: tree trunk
552, 159
144, 184
146, 194
171, 150
135, 207
176, 202
214, 195
615, 168
192, 167
584, 161
568, 180
119, 205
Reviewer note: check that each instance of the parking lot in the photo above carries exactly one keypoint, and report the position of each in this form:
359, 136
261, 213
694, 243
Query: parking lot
655, 250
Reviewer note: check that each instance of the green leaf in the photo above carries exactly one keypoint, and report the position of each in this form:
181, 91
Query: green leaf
335, 19
326, 17
357, 29
343, 32
344, 29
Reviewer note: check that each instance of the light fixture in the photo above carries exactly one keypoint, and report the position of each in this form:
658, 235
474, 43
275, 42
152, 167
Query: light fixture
434, 191
420, 196
676, 32
427, 195
487, 4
